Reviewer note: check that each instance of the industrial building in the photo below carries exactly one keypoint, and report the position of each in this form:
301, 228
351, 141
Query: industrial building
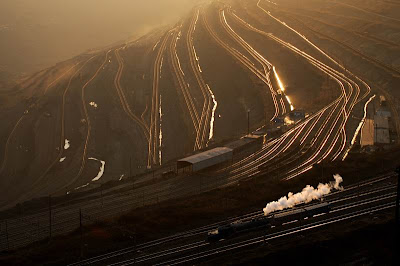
384, 113
368, 133
204, 160
249, 143
381, 129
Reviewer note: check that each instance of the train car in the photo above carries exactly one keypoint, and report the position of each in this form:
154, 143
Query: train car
288, 216
320, 208
231, 230
235, 228
300, 213
222, 232
170, 173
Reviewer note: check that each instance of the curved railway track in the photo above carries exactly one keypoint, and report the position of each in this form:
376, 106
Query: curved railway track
262, 75
346, 109
87, 119
153, 149
62, 135
183, 85
286, 156
51, 84
384, 66
204, 123
338, 201
124, 102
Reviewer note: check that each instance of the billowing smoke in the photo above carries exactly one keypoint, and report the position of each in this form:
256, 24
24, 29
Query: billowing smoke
308, 194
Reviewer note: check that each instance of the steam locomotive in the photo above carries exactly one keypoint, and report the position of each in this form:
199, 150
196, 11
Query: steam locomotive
265, 222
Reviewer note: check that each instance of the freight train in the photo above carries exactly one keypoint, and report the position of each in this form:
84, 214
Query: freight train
265, 222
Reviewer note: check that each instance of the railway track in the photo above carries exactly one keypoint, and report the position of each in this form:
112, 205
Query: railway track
266, 65
330, 58
87, 119
217, 251
153, 150
325, 129
204, 123
336, 75
66, 219
62, 126
262, 75
259, 159
14, 129
351, 48
367, 11
383, 65
145, 129
245, 24
36, 185
121, 94
183, 85
342, 28
339, 202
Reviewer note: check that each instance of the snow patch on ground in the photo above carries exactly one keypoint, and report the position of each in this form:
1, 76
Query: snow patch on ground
63, 159
85, 185
82, 186
101, 171
93, 104
122, 176
66, 145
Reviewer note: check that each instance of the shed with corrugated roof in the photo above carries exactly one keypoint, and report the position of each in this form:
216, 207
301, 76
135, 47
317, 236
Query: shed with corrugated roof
205, 159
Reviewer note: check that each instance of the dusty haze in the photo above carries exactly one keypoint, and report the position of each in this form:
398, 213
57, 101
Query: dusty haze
35, 34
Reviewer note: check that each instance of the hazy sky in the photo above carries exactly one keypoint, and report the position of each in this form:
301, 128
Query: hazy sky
37, 33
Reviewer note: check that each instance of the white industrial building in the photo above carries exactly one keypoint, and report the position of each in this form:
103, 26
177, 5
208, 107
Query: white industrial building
368, 133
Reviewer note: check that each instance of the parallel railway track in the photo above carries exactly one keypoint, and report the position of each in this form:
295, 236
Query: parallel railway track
339, 204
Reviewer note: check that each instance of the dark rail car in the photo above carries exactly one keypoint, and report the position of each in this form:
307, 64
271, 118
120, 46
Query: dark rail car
236, 228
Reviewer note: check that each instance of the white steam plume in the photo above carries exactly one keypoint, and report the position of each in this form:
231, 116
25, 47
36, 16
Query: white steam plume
308, 194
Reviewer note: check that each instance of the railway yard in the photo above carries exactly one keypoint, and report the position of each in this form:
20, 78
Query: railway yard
235, 98
192, 246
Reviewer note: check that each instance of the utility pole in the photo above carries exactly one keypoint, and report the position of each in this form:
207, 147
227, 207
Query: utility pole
130, 166
80, 222
134, 248
248, 121
8, 243
81, 231
101, 193
398, 197
50, 216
